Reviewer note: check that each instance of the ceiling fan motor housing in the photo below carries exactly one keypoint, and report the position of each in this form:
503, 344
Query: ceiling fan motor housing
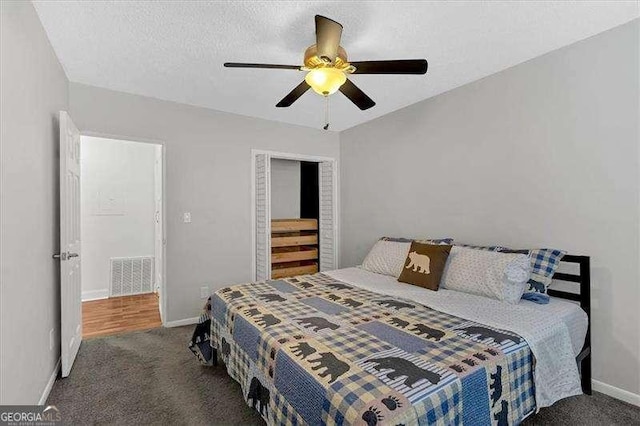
313, 61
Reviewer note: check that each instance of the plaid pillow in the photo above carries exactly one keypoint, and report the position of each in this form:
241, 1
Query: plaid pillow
544, 263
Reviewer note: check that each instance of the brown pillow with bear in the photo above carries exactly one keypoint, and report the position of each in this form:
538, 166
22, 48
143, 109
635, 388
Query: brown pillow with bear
424, 265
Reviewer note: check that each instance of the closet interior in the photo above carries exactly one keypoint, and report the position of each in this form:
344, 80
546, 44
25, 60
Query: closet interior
294, 218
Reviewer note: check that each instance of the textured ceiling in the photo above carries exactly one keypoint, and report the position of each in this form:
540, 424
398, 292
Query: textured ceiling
174, 50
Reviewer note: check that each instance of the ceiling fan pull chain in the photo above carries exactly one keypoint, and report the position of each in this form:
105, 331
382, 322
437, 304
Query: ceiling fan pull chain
326, 114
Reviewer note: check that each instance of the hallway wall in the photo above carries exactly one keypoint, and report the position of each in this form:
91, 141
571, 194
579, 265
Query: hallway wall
118, 207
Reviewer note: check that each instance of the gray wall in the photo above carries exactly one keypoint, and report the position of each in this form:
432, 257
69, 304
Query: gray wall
285, 189
542, 154
208, 173
34, 89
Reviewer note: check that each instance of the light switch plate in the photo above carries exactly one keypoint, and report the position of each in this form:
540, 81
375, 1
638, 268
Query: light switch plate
51, 339
186, 217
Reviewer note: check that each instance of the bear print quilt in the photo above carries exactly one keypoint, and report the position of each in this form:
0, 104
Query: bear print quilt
314, 350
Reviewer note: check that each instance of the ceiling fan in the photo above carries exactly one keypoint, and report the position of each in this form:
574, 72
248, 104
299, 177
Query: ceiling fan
327, 67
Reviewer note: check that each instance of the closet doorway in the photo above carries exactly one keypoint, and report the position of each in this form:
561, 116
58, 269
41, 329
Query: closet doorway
294, 210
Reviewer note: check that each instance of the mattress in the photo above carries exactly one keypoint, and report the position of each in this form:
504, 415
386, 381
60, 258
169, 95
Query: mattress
567, 312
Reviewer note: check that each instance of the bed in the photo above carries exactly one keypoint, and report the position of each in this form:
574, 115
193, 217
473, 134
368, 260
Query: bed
353, 347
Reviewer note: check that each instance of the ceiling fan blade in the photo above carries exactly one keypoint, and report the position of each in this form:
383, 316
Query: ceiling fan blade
356, 95
401, 66
293, 95
328, 33
269, 66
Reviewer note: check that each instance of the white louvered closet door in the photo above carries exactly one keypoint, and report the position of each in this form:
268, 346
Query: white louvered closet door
263, 216
327, 219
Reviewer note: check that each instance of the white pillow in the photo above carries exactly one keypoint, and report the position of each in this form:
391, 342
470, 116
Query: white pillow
501, 276
387, 257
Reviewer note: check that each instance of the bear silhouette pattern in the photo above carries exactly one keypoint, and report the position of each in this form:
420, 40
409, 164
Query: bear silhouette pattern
502, 416
303, 350
339, 286
351, 303
398, 322
330, 366
233, 295
403, 367
496, 386
304, 337
252, 312
225, 348
259, 395
271, 297
537, 286
395, 304
419, 263
431, 333
317, 323
266, 320
483, 333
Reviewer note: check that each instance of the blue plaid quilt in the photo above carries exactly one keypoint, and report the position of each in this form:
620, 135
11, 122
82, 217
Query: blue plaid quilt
314, 350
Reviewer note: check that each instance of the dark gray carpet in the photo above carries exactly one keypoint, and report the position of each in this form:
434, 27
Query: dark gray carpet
150, 377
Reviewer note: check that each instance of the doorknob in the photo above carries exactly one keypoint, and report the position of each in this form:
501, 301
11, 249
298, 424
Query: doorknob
65, 255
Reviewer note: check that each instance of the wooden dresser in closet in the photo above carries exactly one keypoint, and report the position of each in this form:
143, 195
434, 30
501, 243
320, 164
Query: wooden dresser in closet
294, 247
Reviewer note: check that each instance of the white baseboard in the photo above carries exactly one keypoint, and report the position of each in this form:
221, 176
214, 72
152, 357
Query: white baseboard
95, 295
49, 386
617, 393
179, 323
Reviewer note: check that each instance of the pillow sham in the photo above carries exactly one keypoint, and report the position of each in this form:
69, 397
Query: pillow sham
423, 240
388, 255
424, 265
488, 248
544, 263
501, 276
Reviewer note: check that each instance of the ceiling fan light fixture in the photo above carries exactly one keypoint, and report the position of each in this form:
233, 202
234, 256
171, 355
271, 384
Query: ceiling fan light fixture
325, 81
327, 68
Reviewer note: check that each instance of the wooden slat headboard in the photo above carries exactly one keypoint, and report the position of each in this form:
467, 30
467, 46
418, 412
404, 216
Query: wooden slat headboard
583, 279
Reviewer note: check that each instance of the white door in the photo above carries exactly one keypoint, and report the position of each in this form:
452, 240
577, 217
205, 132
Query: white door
157, 178
70, 277
158, 232
327, 219
262, 209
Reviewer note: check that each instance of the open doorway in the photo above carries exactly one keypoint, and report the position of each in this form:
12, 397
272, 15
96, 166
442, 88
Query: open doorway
122, 235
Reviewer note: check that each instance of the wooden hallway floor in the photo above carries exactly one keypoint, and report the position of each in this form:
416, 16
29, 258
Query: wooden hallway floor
120, 314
